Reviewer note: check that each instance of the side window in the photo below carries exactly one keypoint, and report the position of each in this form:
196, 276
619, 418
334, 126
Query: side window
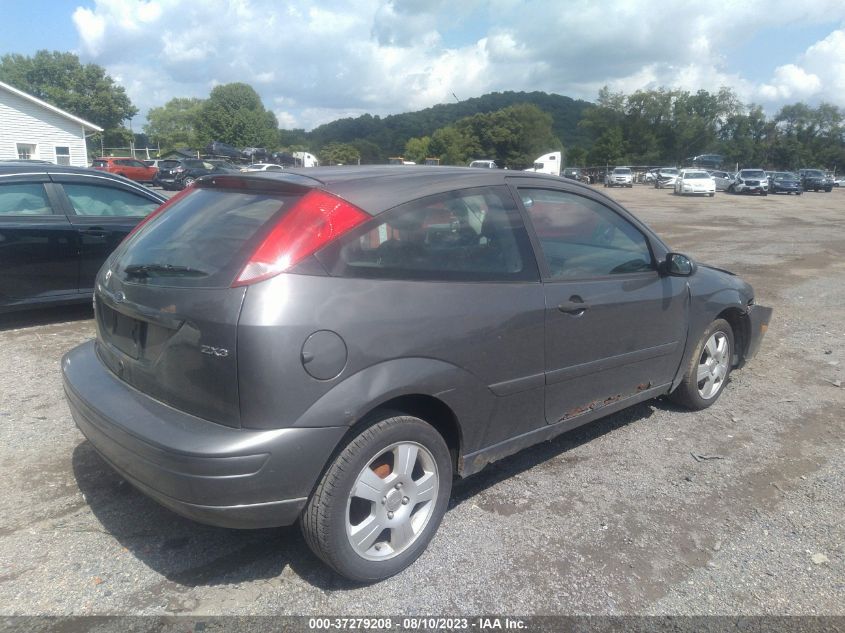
92, 200
467, 235
24, 199
583, 238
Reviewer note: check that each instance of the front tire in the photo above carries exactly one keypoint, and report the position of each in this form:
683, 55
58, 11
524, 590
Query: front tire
708, 368
381, 500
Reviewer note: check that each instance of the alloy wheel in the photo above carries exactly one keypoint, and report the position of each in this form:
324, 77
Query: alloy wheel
713, 365
392, 500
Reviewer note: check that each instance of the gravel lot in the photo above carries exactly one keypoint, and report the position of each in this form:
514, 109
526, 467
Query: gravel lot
614, 518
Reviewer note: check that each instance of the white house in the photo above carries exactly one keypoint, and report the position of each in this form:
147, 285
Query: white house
31, 128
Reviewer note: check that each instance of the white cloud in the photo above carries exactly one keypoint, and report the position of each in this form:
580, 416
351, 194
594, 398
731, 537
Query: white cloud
791, 82
314, 62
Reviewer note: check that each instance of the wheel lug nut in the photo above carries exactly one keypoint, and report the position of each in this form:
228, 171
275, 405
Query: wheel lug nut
389, 515
378, 546
398, 486
405, 501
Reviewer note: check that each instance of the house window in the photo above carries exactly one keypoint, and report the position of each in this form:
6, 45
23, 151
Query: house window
26, 151
62, 155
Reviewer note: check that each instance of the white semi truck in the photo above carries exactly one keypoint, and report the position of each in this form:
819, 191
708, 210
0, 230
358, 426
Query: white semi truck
547, 164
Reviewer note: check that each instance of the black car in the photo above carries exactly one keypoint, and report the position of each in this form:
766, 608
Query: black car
785, 182
166, 175
255, 154
223, 150
330, 345
815, 180
57, 226
187, 170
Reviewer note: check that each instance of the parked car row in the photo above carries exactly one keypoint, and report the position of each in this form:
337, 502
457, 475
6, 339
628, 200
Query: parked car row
754, 181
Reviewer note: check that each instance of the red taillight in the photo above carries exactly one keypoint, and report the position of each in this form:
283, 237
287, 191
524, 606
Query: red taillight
317, 219
159, 211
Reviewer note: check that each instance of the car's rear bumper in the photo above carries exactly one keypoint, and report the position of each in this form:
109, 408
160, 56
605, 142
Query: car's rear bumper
758, 318
205, 471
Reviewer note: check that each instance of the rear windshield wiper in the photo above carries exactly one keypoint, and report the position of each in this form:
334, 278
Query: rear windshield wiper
145, 270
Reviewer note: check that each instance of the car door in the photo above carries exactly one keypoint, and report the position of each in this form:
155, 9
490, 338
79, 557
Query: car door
38, 245
614, 326
102, 212
134, 169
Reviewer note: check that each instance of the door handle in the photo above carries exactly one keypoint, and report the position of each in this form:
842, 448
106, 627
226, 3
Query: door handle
94, 231
575, 306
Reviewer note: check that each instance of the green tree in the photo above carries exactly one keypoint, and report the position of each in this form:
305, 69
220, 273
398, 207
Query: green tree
576, 157
516, 134
453, 146
371, 154
174, 124
747, 138
85, 90
296, 137
62, 80
234, 114
416, 149
609, 149
339, 154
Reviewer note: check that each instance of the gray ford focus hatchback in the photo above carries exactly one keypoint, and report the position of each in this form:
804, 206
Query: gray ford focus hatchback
334, 345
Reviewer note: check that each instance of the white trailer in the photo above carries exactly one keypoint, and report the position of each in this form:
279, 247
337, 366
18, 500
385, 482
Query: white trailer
304, 159
547, 164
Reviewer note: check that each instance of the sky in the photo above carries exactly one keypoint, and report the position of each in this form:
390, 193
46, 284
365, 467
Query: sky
314, 62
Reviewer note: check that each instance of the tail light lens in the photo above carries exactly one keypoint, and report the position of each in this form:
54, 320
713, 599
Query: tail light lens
316, 220
159, 211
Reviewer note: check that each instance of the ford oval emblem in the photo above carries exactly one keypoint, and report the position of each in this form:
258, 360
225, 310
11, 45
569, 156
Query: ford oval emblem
119, 297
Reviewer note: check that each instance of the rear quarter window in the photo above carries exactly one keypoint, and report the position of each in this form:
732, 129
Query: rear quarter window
468, 235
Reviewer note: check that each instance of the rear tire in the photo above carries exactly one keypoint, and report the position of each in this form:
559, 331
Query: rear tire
381, 500
707, 369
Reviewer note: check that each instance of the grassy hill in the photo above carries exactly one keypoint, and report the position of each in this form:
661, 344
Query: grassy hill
392, 132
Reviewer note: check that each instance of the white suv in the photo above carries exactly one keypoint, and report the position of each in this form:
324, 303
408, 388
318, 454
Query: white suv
619, 177
750, 181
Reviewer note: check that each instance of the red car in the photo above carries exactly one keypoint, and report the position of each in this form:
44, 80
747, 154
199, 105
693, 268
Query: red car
125, 166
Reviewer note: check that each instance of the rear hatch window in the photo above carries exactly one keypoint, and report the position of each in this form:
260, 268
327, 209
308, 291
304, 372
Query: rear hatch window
202, 240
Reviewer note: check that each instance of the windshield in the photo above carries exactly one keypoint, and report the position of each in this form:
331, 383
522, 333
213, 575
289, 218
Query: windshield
622, 170
696, 175
782, 175
669, 171
752, 173
815, 173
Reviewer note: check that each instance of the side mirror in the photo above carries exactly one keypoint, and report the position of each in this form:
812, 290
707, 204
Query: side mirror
678, 265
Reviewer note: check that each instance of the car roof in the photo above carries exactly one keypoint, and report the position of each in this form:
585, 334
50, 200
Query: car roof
377, 188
